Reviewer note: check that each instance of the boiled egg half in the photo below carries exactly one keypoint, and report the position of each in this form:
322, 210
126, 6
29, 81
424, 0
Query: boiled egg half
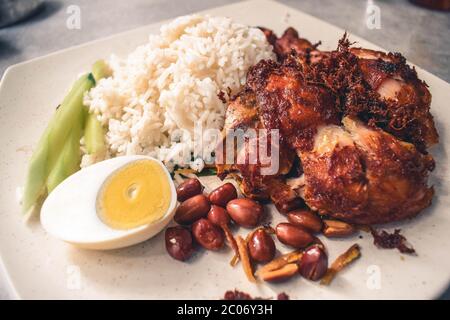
111, 204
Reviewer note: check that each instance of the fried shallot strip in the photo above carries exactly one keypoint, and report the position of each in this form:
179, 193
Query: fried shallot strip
243, 254
280, 262
341, 262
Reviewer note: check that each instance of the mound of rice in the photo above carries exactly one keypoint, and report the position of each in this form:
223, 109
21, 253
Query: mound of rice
171, 85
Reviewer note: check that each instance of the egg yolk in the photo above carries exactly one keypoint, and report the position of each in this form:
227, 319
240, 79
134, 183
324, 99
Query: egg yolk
135, 195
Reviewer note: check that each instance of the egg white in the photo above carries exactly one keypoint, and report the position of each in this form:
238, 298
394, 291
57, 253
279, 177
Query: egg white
69, 212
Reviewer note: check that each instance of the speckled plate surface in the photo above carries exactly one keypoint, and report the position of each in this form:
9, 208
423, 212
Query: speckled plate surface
38, 266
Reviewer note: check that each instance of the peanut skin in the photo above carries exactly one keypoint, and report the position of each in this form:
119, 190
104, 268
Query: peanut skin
192, 209
188, 189
306, 219
179, 243
314, 263
293, 236
223, 194
261, 246
208, 235
245, 212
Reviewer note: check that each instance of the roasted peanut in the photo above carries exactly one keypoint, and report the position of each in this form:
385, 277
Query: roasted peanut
188, 189
207, 234
306, 219
192, 209
218, 216
293, 236
261, 246
223, 194
179, 243
245, 212
313, 264
334, 228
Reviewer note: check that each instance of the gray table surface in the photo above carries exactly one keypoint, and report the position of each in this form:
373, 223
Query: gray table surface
421, 35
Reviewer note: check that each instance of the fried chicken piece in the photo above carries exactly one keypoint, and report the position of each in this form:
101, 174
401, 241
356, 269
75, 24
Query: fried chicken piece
364, 175
355, 172
354, 123
289, 41
243, 114
283, 196
290, 104
408, 99
304, 108
377, 87
334, 177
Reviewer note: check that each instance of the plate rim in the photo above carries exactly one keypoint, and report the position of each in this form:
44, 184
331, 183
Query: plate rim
13, 291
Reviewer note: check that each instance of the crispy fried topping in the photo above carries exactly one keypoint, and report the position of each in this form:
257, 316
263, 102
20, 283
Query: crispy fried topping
240, 295
245, 259
385, 240
340, 263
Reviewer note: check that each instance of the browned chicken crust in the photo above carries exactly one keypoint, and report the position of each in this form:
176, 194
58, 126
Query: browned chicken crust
364, 175
378, 88
242, 114
354, 128
289, 103
289, 41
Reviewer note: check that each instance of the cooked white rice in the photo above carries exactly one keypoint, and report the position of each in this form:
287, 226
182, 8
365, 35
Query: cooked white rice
171, 84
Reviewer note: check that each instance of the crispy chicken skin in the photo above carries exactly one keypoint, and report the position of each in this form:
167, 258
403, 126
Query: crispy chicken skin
243, 113
334, 179
289, 41
377, 87
364, 175
354, 127
288, 103
406, 97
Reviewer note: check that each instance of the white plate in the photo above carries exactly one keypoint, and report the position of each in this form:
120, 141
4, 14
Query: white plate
42, 267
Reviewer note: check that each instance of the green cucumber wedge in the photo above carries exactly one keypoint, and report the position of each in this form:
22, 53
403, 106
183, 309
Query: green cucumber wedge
70, 114
94, 134
68, 161
100, 70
